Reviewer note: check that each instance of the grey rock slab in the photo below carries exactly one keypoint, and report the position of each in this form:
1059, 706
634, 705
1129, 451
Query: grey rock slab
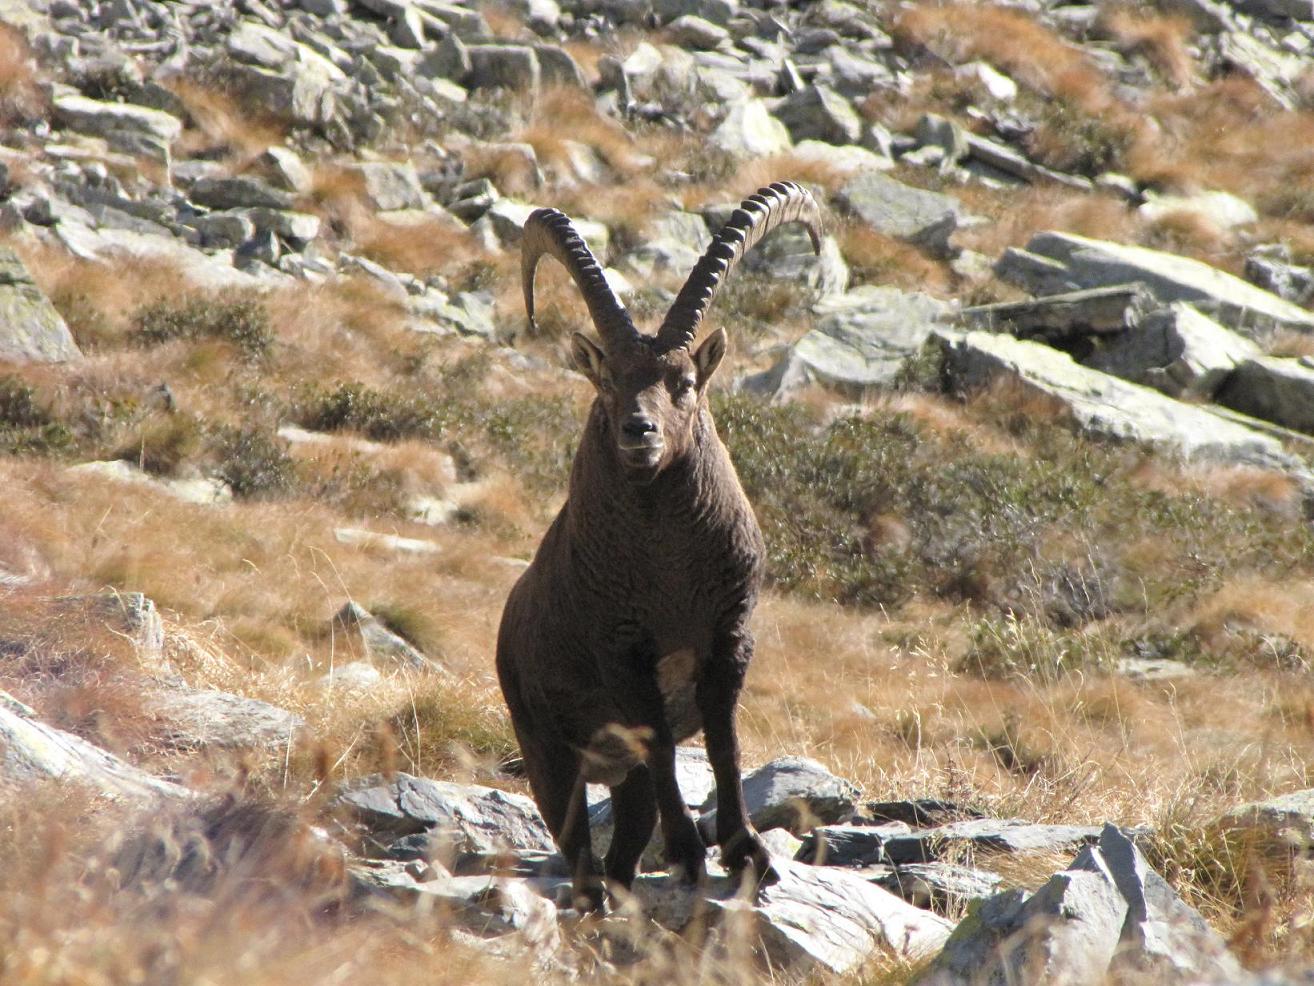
1275, 71
862, 340
849, 844
1163, 939
1233, 302
1033, 273
1270, 267
749, 130
1009, 835
813, 919
1222, 210
487, 907
392, 185
288, 169
1096, 311
941, 887
1103, 405
888, 206
846, 160
557, 67
364, 538
199, 718
1066, 932
1287, 820
922, 812
1273, 388
820, 113
1153, 669
379, 641
201, 491
305, 90
32, 751
104, 119
31, 330
239, 191
296, 228
460, 818
1177, 351
504, 66
697, 32
794, 793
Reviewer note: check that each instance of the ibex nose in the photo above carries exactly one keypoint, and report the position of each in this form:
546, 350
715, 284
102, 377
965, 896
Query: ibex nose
638, 426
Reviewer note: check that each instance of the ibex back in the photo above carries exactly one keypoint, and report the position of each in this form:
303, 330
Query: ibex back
629, 631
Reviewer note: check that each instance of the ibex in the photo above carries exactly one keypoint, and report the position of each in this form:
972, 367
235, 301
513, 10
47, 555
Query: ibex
629, 631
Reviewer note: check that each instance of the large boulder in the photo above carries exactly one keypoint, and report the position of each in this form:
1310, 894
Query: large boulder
203, 718
1103, 405
1175, 350
923, 218
456, 818
1274, 389
813, 919
1108, 916
30, 327
1241, 306
862, 340
820, 113
749, 130
127, 127
793, 793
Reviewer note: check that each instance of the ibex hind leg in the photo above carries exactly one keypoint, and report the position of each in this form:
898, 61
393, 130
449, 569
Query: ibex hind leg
558, 785
634, 812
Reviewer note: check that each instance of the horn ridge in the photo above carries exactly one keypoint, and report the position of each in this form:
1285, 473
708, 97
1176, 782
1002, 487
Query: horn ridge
550, 232
756, 216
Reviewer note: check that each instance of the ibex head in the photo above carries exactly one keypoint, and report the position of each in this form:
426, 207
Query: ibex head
651, 387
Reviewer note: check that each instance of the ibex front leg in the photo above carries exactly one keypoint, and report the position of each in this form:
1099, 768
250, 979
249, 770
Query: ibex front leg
718, 694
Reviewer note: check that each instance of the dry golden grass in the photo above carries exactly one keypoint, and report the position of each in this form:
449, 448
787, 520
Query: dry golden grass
220, 125
1162, 39
1021, 214
1008, 39
20, 96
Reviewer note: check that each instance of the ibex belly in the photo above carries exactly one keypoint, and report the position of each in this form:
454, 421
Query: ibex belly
677, 674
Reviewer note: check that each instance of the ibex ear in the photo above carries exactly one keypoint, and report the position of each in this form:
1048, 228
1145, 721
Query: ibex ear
707, 357
588, 357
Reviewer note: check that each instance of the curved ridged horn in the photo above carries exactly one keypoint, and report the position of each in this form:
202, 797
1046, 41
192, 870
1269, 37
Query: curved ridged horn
760, 213
548, 231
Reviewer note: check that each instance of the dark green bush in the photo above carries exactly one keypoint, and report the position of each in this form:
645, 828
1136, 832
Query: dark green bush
253, 463
27, 424
240, 320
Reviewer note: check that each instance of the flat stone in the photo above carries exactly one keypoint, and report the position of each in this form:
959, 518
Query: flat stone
201, 491
848, 845
1008, 835
940, 887
1098, 311
390, 185
793, 793
696, 32
1286, 822
921, 217
846, 160
104, 119
31, 329
505, 67
379, 641
1222, 210
459, 818
360, 537
239, 191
